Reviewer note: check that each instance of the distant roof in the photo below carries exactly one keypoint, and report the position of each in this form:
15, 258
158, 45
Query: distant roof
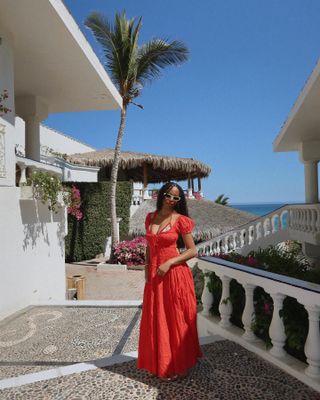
211, 219
303, 122
160, 168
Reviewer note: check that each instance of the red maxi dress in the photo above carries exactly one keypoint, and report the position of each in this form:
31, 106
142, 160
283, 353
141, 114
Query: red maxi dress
168, 342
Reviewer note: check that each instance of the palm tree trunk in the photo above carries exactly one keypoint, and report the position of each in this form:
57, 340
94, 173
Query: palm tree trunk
113, 178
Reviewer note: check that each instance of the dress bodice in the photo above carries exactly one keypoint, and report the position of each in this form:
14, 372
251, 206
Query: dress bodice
163, 245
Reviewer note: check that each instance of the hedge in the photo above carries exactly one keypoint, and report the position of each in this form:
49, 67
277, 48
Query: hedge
86, 238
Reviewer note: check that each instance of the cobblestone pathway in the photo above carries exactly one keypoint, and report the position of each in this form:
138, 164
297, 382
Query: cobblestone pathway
51, 337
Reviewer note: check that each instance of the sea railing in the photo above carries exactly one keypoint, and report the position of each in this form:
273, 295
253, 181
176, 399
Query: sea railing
279, 287
292, 221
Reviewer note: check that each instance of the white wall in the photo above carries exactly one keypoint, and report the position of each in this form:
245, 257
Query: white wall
32, 265
31, 241
7, 139
52, 139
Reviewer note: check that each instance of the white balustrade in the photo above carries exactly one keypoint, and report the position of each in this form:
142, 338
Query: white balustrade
279, 288
295, 222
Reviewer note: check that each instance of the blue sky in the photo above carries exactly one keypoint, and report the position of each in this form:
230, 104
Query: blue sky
249, 61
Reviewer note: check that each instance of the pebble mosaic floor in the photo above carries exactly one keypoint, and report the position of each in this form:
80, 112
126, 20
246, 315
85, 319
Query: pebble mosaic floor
47, 337
226, 372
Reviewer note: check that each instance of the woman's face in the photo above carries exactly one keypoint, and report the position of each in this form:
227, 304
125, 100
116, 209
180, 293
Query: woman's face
170, 202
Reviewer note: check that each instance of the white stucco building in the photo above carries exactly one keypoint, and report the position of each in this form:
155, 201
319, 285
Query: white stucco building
46, 66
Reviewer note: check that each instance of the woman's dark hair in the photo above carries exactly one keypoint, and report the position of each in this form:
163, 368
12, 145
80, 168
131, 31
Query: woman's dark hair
180, 206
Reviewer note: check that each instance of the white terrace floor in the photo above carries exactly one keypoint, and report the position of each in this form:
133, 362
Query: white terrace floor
89, 352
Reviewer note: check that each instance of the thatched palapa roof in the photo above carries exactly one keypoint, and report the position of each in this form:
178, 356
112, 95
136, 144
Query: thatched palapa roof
211, 219
159, 168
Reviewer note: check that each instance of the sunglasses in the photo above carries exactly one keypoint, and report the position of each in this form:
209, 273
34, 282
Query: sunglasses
171, 197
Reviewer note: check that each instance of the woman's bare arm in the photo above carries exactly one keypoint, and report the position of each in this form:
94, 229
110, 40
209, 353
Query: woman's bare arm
185, 256
190, 252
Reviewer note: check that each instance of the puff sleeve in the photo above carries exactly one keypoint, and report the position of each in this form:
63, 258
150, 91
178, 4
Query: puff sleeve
185, 225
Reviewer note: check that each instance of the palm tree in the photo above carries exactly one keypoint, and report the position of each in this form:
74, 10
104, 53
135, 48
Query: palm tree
222, 199
131, 66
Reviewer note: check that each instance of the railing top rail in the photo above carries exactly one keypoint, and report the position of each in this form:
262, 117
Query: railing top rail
29, 162
292, 205
312, 287
260, 218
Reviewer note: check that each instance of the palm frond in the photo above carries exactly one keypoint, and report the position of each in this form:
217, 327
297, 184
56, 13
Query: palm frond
158, 54
103, 31
129, 65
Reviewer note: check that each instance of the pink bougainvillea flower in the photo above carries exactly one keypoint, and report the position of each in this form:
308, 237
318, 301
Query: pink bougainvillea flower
251, 261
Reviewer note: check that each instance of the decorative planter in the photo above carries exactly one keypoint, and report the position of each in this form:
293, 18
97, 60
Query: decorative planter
26, 193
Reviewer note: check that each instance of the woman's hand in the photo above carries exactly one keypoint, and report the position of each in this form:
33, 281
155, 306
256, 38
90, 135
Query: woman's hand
164, 268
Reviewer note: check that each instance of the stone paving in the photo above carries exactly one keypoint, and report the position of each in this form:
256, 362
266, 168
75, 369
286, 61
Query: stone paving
46, 337
109, 285
226, 372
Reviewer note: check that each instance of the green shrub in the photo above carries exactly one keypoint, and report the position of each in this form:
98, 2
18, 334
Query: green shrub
86, 238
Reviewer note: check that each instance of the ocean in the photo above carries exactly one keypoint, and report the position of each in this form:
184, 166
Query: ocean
258, 209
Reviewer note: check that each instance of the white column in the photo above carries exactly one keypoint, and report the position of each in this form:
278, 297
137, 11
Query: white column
207, 296
311, 181
248, 313
33, 110
312, 346
225, 306
33, 137
276, 330
118, 227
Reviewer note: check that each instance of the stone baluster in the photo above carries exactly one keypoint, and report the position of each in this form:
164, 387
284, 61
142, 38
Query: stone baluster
318, 220
313, 220
300, 213
212, 249
304, 220
225, 306
308, 221
250, 234
235, 240
242, 239
276, 330
258, 230
312, 345
292, 219
226, 244
281, 220
248, 313
207, 296
23, 177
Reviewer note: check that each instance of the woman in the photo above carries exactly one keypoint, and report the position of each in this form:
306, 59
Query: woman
168, 343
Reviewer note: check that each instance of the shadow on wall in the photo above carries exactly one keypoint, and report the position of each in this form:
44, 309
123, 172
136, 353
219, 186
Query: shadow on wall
61, 219
35, 216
